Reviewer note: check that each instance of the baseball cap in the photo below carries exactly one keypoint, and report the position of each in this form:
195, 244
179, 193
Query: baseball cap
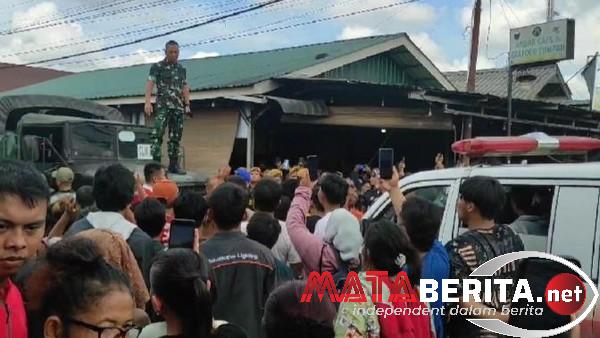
63, 175
245, 174
165, 189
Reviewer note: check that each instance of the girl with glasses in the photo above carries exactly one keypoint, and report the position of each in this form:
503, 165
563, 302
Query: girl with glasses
73, 292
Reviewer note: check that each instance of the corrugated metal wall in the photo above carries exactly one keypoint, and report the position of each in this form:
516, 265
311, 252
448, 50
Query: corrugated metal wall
379, 69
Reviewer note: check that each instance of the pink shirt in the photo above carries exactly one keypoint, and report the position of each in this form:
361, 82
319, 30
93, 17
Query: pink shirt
13, 321
313, 251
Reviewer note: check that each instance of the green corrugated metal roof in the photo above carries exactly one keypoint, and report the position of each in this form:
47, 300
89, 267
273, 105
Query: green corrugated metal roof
203, 74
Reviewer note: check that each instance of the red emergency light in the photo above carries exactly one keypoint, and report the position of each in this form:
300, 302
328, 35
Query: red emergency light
533, 144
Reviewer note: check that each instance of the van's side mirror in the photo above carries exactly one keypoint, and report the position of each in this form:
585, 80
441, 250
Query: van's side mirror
31, 148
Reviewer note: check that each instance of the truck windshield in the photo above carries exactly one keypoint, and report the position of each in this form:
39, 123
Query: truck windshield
93, 141
134, 144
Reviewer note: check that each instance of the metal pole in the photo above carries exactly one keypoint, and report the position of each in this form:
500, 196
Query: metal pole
550, 11
471, 78
510, 94
250, 139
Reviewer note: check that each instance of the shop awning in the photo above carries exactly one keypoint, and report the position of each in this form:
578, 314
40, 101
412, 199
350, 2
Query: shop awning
301, 107
377, 117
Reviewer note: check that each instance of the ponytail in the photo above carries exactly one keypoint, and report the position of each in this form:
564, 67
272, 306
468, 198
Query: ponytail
389, 249
179, 280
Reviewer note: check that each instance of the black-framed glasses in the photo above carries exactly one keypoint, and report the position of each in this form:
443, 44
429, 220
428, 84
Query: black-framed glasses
105, 332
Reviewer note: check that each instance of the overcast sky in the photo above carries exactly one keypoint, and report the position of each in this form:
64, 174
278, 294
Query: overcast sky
440, 27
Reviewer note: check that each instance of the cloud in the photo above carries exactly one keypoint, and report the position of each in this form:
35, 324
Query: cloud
36, 39
353, 32
202, 55
140, 56
412, 17
437, 55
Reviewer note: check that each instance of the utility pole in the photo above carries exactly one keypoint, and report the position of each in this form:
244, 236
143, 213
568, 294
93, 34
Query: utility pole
468, 120
550, 11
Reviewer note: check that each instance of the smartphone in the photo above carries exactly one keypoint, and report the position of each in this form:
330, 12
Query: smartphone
286, 164
312, 163
182, 233
386, 162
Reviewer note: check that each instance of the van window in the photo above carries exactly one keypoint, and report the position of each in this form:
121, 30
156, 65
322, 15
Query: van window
438, 195
575, 225
527, 212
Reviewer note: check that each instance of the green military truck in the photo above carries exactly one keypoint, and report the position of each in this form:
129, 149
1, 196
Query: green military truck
54, 131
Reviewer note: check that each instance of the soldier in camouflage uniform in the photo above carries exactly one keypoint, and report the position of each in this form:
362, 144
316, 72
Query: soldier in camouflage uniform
172, 101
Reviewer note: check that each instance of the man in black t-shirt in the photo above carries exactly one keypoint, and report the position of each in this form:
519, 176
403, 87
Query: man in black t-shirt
245, 270
481, 200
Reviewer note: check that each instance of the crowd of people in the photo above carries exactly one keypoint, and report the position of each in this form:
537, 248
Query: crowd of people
96, 262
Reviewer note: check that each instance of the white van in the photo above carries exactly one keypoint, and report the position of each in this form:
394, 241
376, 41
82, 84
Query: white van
569, 193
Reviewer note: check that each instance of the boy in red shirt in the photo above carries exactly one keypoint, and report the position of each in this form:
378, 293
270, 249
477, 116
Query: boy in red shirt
24, 198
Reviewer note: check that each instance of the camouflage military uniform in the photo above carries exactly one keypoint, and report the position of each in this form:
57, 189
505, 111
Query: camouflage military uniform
170, 80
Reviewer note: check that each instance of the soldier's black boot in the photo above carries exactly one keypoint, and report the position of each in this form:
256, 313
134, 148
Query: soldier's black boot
174, 167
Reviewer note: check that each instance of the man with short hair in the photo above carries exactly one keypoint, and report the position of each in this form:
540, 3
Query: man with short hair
63, 177
267, 194
422, 220
113, 192
338, 250
481, 200
332, 195
266, 229
530, 220
190, 205
153, 172
172, 101
245, 270
24, 196
85, 200
151, 218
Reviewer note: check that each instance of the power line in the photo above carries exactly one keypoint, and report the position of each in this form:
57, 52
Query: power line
219, 37
489, 30
246, 33
21, 4
69, 13
89, 18
577, 72
58, 19
154, 28
123, 44
505, 15
507, 3
511, 8
128, 33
